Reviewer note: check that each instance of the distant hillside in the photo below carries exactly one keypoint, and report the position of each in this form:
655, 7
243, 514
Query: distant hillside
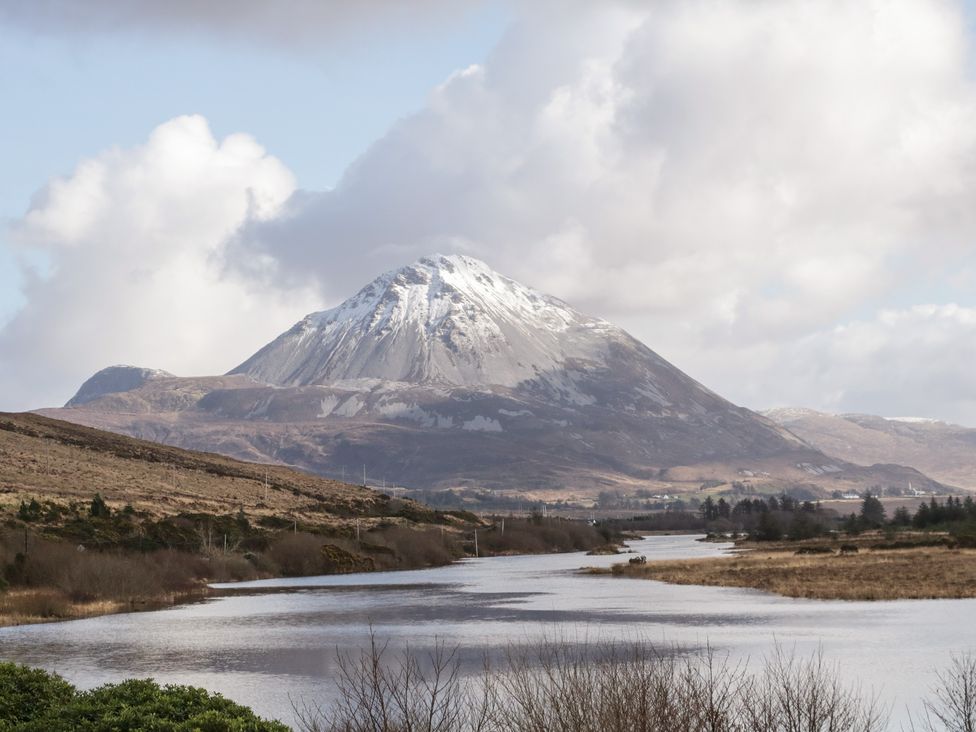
945, 452
45, 458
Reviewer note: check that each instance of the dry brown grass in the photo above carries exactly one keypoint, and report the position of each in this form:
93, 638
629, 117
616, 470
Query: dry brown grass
903, 574
49, 459
43, 605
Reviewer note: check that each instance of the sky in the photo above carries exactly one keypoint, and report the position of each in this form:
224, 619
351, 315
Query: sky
779, 197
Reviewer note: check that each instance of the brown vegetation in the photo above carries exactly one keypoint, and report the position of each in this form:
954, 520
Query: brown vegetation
44, 458
885, 574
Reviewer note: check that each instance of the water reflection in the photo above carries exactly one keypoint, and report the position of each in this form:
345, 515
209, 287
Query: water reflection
267, 643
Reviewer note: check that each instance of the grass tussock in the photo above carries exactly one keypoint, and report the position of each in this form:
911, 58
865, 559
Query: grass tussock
904, 574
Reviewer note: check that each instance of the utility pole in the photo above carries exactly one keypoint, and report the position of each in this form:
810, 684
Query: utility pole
265, 485
476, 542
364, 475
503, 527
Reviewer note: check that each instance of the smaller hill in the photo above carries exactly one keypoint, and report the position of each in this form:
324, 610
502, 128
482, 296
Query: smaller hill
113, 380
945, 452
46, 458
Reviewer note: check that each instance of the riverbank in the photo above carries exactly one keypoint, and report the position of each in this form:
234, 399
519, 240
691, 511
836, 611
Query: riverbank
32, 606
915, 573
59, 581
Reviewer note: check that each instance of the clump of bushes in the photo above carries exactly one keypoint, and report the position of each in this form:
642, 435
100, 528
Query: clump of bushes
32, 700
538, 534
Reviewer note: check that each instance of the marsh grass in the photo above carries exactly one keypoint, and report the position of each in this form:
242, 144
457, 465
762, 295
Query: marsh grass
897, 574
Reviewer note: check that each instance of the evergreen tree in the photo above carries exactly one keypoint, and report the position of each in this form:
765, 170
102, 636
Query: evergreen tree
872, 511
99, 509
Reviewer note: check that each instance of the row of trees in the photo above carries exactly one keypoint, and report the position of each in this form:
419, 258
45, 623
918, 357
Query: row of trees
768, 519
778, 517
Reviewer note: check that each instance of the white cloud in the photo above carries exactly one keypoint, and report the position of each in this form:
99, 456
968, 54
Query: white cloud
135, 241
916, 361
724, 178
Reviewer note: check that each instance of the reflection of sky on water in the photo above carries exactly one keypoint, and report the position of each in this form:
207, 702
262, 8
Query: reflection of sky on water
268, 641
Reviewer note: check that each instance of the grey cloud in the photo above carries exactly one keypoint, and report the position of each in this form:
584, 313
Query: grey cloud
303, 22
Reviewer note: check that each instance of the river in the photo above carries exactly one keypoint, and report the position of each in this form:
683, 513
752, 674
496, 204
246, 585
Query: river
274, 642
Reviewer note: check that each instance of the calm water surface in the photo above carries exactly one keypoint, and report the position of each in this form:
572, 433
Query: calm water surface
274, 642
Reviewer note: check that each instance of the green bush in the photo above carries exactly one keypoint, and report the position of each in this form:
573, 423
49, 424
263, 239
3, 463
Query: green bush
29, 693
35, 701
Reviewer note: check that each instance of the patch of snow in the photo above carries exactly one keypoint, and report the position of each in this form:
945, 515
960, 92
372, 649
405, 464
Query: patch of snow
913, 420
518, 413
791, 414
350, 407
482, 424
652, 393
327, 406
260, 409
818, 469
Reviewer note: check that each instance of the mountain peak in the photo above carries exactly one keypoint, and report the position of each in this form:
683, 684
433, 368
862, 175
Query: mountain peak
447, 319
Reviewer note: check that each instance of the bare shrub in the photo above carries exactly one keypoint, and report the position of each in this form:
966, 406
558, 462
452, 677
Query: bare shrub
952, 706
408, 693
806, 695
565, 687
85, 575
297, 554
612, 688
231, 568
413, 547
533, 536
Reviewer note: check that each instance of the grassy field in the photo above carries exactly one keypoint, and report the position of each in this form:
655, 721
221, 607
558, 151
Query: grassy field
923, 572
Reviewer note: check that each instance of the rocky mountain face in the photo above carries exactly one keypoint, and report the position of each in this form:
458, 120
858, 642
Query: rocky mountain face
943, 451
446, 373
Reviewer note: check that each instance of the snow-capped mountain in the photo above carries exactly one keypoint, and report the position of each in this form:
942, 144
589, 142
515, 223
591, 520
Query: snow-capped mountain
446, 373
451, 321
